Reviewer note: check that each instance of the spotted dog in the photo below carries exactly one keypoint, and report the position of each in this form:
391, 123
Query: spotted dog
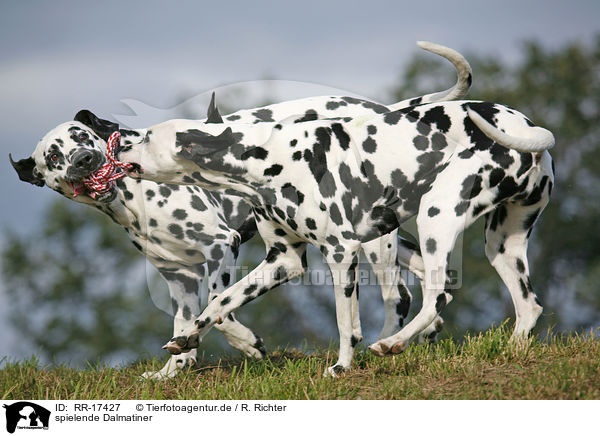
155, 216
181, 228
341, 182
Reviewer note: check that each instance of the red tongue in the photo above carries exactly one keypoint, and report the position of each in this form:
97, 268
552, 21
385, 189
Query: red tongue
78, 189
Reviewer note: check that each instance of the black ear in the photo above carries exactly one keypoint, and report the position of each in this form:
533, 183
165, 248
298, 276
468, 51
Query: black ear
213, 115
24, 169
102, 128
197, 143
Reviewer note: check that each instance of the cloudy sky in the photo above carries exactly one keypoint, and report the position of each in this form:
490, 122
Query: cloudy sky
58, 57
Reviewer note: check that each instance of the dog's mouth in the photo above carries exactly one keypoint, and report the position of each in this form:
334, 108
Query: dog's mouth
120, 155
136, 171
79, 190
75, 180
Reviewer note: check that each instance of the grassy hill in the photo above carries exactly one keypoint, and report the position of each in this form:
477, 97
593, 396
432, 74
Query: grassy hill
480, 367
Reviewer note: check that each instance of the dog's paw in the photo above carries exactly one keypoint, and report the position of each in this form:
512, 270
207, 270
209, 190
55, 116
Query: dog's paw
381, 349
182, 344
171, 369
257, 350
335, 371
158, 375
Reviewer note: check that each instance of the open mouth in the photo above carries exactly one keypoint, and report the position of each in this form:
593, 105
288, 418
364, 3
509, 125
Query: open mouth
80, 189
135, 171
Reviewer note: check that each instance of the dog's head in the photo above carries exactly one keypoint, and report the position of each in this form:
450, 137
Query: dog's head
67, 154
177, 149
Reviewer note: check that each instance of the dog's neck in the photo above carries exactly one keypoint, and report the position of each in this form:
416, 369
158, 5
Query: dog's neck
120, 210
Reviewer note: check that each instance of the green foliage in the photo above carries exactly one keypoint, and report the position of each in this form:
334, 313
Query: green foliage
77, 289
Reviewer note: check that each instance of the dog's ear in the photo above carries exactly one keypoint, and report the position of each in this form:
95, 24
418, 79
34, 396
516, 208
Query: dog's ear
25, 168
195, 143
102, 128
213, 115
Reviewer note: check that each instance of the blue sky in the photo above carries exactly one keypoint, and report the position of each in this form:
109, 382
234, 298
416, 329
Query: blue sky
61, 56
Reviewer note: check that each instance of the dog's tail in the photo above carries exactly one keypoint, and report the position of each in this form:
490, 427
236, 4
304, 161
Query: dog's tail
537, 139
458, 91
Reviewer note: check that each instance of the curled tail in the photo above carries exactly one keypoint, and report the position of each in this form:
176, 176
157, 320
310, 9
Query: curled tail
537, 139
458, 91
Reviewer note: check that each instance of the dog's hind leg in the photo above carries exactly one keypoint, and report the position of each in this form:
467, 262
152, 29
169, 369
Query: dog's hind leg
382, 255
343, 267
449, 207
387, 256
409, 257
220, 275
507, 231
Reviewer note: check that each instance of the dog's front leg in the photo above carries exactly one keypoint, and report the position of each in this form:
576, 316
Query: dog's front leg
283, 262
184, 284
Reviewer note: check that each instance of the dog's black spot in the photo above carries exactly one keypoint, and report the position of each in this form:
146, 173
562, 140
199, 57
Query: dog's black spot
180, 214
496, 175
436, 116
256, 153
471, 186
311, 224
440, 302
263, 115
273, 170
369, 145
433, 211
431, 245
309, 115
421, 142
176, 230
438, 141
461, 208
335, 214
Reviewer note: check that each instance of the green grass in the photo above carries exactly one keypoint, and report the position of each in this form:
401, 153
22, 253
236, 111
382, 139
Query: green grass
481, 367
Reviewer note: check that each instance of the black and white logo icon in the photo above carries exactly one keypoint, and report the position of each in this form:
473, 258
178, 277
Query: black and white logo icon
26, 415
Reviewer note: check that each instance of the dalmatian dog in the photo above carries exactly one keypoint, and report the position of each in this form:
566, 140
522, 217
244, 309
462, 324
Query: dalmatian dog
338, 183
188, 233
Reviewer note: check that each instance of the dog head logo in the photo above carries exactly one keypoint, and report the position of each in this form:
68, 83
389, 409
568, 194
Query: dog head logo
26, 415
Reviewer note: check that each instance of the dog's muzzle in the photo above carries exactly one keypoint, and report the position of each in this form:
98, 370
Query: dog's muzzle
83, 163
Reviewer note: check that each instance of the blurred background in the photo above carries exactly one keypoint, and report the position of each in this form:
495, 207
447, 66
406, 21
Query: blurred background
72, 287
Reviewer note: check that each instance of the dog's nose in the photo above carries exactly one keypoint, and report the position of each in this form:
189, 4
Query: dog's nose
83, 160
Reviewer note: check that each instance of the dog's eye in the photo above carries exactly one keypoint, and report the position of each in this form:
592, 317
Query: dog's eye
54, 157
83, 136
